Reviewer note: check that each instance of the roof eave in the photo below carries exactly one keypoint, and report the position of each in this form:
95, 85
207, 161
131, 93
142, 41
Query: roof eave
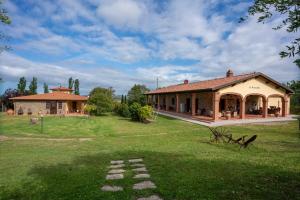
256, 74
183, 91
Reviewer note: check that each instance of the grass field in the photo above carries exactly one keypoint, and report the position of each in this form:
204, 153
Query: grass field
181, 161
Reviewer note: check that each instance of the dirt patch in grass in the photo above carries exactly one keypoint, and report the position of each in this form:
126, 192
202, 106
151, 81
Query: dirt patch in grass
5, 138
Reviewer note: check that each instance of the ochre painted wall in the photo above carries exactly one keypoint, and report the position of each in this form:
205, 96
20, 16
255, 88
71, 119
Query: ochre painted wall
253, 85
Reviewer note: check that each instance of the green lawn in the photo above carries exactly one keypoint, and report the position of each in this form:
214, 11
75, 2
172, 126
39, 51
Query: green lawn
180, 159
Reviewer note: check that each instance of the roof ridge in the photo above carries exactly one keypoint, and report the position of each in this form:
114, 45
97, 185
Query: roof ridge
243, 74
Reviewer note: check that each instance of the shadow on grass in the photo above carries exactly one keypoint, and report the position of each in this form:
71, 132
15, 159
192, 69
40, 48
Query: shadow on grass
177, 176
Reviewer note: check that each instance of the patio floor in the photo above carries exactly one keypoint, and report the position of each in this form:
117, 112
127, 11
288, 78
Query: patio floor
207, 121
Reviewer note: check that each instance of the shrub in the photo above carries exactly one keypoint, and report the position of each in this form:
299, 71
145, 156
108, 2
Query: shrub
134, 110
145, 112
116, 107
89, 108
102, 98
139, 113
122, 109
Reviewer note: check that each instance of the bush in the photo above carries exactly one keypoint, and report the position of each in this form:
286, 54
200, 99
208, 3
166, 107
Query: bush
102, 98
139, 113
295, 110
122, 109
145, 112
90, 108
134, 110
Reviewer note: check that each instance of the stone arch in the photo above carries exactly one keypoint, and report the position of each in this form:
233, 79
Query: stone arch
256, 94
235, 105
260, 110
283, 108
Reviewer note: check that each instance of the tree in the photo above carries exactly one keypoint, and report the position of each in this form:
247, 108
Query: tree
295, 98
76, 86
137, 94
46, 89
102, 98
71, 83
4, 18
122, 99
22, 85
33, 86
9, 93
290, 11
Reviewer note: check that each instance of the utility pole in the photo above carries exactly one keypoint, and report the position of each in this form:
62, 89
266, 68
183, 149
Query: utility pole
157, 83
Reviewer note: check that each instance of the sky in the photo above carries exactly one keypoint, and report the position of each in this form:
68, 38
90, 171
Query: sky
125, 42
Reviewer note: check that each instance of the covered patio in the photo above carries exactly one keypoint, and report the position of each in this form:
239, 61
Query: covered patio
246, 96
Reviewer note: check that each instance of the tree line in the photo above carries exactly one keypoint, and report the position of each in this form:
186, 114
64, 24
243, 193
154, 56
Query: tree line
23, 90
133, 105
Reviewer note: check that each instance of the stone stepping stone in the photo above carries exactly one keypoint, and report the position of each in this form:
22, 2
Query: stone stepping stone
108, 188
116, 166
144, 185
114, 176
116, 162
141, 169
116, 171
137, 165
152, 197
142, 176
135, 160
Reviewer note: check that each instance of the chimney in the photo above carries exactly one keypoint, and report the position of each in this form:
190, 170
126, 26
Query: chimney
229, 73
186, 81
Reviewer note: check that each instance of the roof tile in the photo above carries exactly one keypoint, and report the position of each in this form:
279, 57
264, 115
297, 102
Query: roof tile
52, 96
202, 85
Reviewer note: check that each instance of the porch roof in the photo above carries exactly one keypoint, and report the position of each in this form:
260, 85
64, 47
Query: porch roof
214, 84
55, 96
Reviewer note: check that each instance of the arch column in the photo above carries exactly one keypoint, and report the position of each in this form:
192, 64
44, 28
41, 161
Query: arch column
285, 103
265, 108
167, 102
177, 103
193, 104
243, 108
216, 102
158, 103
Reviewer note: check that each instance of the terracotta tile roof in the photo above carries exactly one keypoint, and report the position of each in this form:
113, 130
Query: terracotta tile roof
59, 96
61, 89
212, 84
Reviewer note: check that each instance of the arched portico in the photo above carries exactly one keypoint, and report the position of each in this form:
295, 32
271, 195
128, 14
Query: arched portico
277, 105
231, 105
256, 105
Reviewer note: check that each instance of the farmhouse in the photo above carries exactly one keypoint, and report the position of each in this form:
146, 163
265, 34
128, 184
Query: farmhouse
252, 95
60, 101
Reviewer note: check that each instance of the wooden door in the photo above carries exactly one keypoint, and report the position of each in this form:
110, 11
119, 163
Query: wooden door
188, 105
53, 107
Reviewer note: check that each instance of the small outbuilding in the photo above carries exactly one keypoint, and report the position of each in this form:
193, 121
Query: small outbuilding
252, 95
60, 101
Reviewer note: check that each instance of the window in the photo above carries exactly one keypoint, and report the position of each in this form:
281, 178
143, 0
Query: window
48, 105
173, 101
59, 105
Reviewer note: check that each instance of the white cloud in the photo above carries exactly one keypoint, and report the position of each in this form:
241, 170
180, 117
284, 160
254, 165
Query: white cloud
80, 35
121, 13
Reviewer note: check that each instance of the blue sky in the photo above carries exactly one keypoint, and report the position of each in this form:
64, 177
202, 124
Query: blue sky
122, 42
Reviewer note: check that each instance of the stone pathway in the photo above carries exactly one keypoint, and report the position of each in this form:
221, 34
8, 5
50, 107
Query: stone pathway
152, 197
116, 171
